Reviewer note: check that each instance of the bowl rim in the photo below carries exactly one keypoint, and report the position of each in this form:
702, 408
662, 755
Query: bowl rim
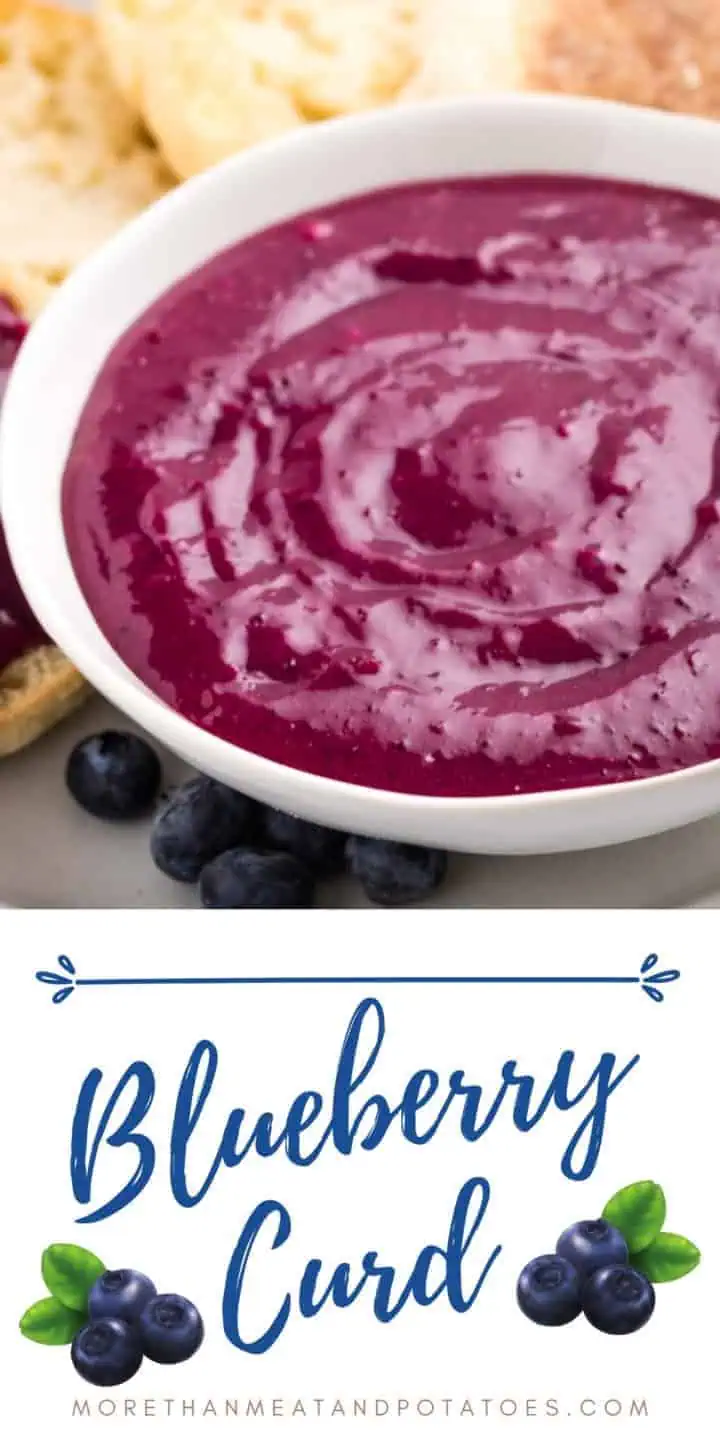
110, 676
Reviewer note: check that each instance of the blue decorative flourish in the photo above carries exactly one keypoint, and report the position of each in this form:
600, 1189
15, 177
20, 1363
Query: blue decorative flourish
649, 979
50, 977
663, 977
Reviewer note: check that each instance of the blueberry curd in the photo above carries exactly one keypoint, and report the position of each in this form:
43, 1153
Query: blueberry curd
19, 630
422, 492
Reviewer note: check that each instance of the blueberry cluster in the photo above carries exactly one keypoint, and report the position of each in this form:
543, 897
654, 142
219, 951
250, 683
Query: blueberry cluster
129, 1321
242, 855
589, 1273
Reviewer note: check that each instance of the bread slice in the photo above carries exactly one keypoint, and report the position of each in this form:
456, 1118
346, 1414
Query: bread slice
211, 77
660, 53
36, 692
75, 164
75, 161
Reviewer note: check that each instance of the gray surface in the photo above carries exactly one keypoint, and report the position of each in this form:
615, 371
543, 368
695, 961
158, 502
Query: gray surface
51, 854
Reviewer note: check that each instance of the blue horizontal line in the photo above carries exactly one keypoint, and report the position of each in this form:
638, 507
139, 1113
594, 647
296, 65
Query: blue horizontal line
373, 980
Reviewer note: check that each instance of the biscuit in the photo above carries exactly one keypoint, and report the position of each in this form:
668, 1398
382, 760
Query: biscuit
75, 164
211, 77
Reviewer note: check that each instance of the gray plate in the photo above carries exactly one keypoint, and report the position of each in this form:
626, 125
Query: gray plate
52, 854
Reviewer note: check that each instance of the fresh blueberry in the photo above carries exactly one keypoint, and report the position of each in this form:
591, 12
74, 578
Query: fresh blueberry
170, 1329
592, 1245
393, 874
322, 850
107, 1352
120, 1295
548, 1291
114, 775
256, 880
199, 821
618, 1300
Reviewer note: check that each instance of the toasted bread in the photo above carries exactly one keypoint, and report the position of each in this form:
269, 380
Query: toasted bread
211, 77
75, 164
660, 53
36, 692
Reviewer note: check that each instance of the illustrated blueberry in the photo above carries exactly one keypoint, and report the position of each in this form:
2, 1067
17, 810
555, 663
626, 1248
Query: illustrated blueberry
107, 1352
393, 874
256, 880
120, 1295
591, 1245
199, 820
548, 1291
618, 1300
170, 1329
322, 850
114, 775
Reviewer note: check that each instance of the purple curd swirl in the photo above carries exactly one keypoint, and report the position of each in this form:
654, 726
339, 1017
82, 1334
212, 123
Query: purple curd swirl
423, 492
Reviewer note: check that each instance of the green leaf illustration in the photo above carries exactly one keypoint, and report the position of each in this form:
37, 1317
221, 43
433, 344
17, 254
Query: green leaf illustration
49, 1322
70, 1273
668, 1258
638, 1212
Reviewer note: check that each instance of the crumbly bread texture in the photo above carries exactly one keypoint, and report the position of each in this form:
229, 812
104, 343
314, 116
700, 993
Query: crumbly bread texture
75, 164
75, 161
36, 692
214, 76
211, 77
660, 53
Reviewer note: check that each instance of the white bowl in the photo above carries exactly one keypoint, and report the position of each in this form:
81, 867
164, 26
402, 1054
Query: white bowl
308, 169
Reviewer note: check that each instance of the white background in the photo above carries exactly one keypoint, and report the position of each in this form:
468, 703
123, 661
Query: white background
273, 1042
